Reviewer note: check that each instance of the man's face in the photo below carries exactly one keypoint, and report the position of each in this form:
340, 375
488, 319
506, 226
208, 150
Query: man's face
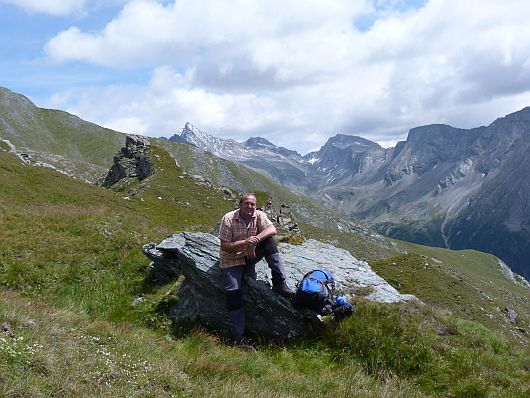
248, 206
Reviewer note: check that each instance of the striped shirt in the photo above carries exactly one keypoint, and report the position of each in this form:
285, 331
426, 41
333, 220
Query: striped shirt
233, 228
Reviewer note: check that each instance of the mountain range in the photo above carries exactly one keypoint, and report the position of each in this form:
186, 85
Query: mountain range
443, 186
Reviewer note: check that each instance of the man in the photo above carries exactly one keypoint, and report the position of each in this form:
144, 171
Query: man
246, 236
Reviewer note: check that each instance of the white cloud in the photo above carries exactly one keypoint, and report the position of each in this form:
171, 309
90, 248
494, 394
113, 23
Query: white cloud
297, 72
149, 32
52, 7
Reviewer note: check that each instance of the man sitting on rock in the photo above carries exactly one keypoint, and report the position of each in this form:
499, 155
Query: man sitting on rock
247, 235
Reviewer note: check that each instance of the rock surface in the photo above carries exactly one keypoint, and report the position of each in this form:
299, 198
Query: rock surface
131, 162
202, 299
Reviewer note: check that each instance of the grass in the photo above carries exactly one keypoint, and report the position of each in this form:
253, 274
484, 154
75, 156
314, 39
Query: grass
443, 354
384, 351
78, 246
467, 282
62, 353
86, 321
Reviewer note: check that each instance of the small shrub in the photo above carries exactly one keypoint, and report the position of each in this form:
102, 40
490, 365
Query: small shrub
291, 238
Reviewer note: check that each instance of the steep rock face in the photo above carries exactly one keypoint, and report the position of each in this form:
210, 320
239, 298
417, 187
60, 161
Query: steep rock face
341, 160
202, 299
497, 219
454, 188
131, 162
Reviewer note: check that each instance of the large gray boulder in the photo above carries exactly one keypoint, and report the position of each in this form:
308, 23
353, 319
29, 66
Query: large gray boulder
202, 299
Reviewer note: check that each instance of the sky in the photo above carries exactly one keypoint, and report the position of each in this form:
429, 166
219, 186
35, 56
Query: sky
293, 71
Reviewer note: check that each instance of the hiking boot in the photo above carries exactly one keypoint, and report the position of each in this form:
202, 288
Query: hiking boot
244, 344
282, 289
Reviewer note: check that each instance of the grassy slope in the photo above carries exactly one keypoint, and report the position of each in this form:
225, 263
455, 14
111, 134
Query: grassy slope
467, 282
71, 144
66, 241
70, 268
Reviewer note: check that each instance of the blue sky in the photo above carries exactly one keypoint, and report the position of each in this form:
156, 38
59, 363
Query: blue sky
295, 72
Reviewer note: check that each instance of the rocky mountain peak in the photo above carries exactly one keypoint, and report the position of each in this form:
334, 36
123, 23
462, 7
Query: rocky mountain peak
258, 142
344, 156
192, 134
358, 144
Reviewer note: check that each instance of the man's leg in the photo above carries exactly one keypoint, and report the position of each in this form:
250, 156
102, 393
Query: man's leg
234, 303
267, 248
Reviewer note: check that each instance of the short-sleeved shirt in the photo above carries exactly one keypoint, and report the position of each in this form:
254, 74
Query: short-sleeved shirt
234, 228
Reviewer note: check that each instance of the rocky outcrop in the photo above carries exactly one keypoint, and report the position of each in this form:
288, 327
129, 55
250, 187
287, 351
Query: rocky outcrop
202, 300
131, 162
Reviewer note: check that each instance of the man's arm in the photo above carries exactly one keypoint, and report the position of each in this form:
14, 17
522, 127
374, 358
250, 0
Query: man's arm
245, 244
265, 234
235, 247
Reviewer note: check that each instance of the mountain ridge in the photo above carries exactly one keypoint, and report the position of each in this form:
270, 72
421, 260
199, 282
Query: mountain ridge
430, 181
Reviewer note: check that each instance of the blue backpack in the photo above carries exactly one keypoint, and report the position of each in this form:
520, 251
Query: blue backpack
315, 291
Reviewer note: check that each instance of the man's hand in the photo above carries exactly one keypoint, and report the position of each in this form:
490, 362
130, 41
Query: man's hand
251, 252
251, 244
253, 241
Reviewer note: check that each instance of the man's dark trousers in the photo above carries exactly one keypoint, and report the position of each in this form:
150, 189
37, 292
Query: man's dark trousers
232, 279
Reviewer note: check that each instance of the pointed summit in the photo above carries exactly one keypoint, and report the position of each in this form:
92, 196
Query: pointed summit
191, 135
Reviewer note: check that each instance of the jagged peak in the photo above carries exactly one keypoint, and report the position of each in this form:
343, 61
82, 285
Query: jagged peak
258, 141
189, 130
191, 135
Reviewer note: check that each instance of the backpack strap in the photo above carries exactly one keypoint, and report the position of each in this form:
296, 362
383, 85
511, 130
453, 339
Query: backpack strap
328, 276
320, 270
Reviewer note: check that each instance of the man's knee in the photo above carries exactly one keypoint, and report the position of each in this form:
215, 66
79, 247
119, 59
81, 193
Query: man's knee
267, 247
234, 300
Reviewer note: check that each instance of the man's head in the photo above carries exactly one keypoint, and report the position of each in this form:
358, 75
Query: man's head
247, 205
